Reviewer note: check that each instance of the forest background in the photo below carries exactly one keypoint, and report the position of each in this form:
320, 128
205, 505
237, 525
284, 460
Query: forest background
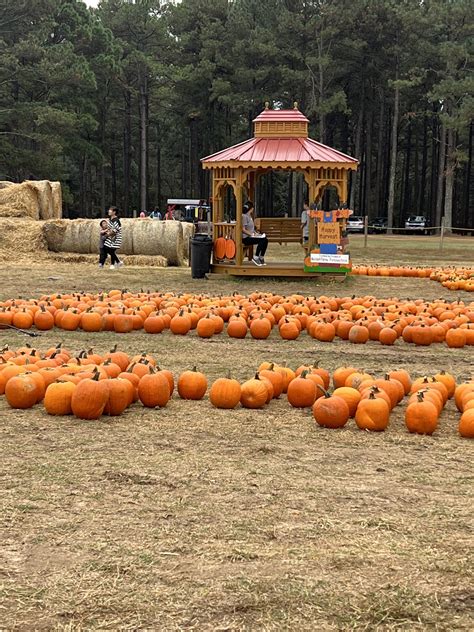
120, 101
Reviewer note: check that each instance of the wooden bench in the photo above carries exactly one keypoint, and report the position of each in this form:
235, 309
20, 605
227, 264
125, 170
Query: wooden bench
280, 230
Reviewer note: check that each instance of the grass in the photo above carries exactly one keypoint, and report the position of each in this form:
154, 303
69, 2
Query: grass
193, 518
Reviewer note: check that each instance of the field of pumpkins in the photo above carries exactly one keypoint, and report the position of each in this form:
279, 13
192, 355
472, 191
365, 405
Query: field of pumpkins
355, 319
90, 385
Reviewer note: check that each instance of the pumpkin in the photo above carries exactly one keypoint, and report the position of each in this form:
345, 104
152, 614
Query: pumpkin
254, 393
154, 389
324, 332
403, 377
21, 391
351, 396
260, 328
388, 336
288, 329
225, 393
121, 394
43, 319
301, 392
123, 323
118, 357
89, 398
466, 424
180, 324
192, 384
154, 324
331, 411
372, 414
91, 321
448, 380
421, 416
341, 374
358, 334
58, 396
276, 379
237, 327
206, 327
456, 338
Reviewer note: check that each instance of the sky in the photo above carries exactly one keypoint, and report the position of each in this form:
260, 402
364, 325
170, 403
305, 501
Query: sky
91, 3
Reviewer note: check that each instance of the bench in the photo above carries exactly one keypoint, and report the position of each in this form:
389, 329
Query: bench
281, 230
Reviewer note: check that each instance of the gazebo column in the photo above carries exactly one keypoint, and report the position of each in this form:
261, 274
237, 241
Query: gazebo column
238, 222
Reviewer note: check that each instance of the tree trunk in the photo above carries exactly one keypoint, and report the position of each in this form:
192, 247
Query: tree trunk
450, 169
127, 150
355, 182
113, 168
434, 166
380, 157
393, 158
143, 106
468, 218
368, 164
424, 159
158, 166
406, 187
441, 174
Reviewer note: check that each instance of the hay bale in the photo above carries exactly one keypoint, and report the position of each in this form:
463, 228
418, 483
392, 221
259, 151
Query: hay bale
57, 200
159, 238
34, 199
54, 234
139, 237
49, 198
20, 237
19, 200
188, 232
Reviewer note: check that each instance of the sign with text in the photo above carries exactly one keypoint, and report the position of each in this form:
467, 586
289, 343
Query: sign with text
329, 233
317, 257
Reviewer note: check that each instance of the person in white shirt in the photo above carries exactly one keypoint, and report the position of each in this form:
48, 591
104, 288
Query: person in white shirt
305, 223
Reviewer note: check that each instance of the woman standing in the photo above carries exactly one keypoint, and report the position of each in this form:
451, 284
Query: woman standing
114, 238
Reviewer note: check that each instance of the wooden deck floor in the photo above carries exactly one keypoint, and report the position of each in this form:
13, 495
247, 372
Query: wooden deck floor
272, 269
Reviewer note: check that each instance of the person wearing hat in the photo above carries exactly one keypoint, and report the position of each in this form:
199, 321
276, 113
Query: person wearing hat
250, 237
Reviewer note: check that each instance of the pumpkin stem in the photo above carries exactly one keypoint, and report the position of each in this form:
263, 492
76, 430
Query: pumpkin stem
96, 376
420, 396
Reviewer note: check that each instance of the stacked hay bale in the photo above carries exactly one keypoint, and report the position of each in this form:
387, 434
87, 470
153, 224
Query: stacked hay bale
21, 238
139, 237
31, 199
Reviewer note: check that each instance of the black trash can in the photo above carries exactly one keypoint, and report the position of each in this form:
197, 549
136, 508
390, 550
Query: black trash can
201, 249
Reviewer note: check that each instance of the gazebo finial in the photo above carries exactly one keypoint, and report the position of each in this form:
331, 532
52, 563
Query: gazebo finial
267, 105
295, 105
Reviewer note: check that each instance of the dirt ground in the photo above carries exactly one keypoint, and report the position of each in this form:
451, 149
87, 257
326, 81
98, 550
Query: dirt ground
191, 518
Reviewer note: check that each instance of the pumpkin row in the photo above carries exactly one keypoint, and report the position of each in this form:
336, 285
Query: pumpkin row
356, 319
92, 385
452, 278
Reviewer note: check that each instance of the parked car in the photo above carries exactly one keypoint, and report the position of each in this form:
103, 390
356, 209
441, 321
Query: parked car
378, 225
418, 223
355, 224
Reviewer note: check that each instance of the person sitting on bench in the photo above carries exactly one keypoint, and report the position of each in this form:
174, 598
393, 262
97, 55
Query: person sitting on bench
250, 237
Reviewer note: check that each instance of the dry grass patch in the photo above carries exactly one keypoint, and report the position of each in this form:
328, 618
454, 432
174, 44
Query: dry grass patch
194, 518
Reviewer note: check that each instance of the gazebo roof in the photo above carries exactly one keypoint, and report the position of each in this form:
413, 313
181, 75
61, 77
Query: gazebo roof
263, 151
280, 141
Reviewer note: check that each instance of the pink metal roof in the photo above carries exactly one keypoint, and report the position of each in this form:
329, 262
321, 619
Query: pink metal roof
292, 116
281, 150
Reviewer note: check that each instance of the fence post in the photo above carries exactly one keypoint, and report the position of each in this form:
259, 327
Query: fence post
441, 235
366, 229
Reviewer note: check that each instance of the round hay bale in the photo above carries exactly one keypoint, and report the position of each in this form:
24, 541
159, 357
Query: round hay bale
54, 232
4, 184
19, 200
159, 238
127, 236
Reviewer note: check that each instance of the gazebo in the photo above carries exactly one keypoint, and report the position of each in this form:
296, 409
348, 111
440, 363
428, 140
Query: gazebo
280, 142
